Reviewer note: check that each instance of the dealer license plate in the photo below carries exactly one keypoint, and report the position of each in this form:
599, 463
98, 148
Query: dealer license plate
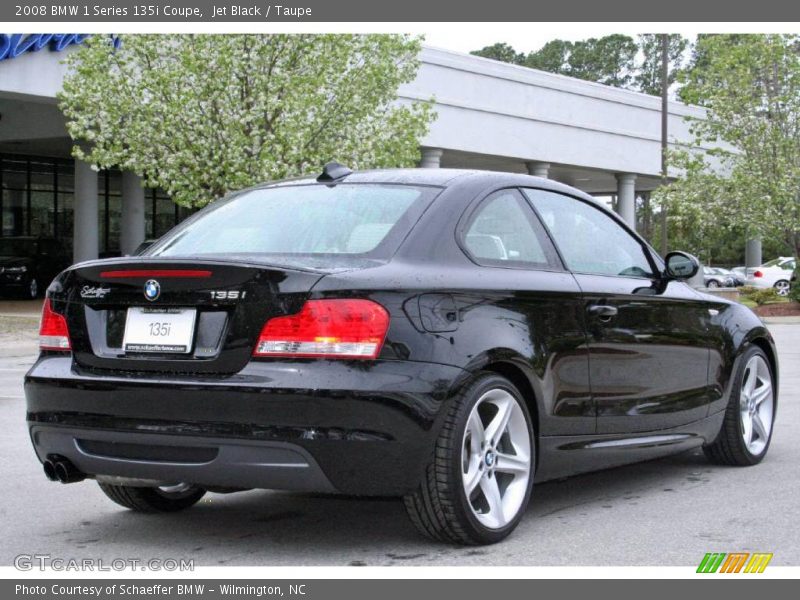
159, 330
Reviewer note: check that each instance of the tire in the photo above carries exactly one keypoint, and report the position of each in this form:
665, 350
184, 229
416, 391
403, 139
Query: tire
782, 287
713, 283
30, 290
441, 509
731, 446
153, 500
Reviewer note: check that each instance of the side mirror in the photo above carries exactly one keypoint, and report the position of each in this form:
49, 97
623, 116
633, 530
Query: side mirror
680, 265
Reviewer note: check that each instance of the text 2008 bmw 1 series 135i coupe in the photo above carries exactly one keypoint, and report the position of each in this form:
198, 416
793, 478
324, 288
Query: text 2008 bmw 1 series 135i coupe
449, 337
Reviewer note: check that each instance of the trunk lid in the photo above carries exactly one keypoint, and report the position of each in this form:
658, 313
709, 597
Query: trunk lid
229, 303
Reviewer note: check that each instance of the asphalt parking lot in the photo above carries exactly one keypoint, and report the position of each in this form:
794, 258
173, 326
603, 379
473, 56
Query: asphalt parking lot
665, 512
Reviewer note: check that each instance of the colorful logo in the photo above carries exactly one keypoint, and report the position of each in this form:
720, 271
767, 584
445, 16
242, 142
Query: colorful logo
152, 290
735, 562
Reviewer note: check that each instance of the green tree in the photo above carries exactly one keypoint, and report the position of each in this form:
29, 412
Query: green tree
201, 115
553, 57
743, 168
648, 72
609, 60
694, 74
502, 52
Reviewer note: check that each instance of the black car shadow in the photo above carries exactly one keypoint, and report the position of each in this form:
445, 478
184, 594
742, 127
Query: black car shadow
259, 527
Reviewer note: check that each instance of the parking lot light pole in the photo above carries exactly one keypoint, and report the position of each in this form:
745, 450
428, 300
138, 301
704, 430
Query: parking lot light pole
664, 131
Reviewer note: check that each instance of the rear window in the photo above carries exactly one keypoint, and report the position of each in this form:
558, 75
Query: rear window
357, 220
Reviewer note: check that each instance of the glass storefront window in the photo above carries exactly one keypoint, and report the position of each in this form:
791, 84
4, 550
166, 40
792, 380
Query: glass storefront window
109, 199
37, 198
14, 185
65, 173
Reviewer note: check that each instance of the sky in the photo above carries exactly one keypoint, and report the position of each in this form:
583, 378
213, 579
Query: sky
520, 41
524, 37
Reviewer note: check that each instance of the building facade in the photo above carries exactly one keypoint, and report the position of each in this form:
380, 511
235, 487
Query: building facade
491, 115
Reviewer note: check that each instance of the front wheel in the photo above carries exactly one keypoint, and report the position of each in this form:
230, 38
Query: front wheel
713, 284
154, 500
746, 430
479, 481
782, 287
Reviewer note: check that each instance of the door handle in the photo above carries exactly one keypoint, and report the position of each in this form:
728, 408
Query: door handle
603, 311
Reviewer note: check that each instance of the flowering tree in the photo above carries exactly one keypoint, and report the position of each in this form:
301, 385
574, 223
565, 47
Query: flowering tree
201, 115
750, 86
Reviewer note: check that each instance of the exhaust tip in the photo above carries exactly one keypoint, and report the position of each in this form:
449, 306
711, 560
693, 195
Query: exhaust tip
50, 470
64, 470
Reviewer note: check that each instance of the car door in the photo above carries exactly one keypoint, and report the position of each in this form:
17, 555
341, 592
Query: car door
648, 340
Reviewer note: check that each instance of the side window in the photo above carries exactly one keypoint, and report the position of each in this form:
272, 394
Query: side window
504, 231
590, 241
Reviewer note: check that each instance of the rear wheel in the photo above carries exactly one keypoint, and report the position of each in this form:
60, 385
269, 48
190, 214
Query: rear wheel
29, 289
153, 500
782, 287
713, 283
479, 481
747, 429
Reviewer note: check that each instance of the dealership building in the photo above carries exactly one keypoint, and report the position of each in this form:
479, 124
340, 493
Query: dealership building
491, 115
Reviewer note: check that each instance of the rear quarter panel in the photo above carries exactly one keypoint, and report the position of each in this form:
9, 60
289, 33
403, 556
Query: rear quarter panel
531, 320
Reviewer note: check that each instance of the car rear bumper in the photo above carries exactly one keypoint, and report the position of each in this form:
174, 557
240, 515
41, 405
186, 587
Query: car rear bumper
346, 426
758, 282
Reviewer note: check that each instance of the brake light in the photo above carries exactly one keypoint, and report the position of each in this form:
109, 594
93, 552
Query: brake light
53, 332
160, 273
758, 274
336, 328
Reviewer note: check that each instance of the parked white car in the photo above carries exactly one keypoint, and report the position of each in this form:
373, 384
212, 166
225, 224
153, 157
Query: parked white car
775, 273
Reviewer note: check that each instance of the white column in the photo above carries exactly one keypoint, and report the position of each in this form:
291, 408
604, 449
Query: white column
132, 219
626, 198
86, 235
538, 169
431, 158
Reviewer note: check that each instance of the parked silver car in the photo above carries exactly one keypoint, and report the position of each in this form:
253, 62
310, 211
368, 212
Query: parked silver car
716, 278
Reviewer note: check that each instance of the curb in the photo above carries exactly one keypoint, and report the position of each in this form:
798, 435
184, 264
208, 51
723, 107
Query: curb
781, 320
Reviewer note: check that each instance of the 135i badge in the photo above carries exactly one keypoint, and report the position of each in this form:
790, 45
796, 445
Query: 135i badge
89, 291
227, 294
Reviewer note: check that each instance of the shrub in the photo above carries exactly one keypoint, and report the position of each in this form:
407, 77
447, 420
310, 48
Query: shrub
759, 295
794, 292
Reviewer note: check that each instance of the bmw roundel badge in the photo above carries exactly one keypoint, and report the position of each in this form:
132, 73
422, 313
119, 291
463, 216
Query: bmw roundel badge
152, 289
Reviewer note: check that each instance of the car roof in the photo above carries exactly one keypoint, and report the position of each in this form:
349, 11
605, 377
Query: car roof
434, 177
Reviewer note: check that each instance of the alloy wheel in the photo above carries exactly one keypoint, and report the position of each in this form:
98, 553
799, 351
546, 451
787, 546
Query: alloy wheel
496, 459
782, 288
33, 289
756, 405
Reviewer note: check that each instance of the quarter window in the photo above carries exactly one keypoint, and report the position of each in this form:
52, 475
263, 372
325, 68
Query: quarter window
590, 241
504, 231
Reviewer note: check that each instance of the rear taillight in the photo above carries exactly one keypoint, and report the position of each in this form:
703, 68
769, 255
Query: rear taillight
334, 328
758, 274
53, 332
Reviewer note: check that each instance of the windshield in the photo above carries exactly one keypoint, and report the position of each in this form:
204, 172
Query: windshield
357, 220
17, 247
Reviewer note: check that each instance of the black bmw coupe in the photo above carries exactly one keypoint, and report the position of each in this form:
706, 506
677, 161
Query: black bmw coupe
449, 337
